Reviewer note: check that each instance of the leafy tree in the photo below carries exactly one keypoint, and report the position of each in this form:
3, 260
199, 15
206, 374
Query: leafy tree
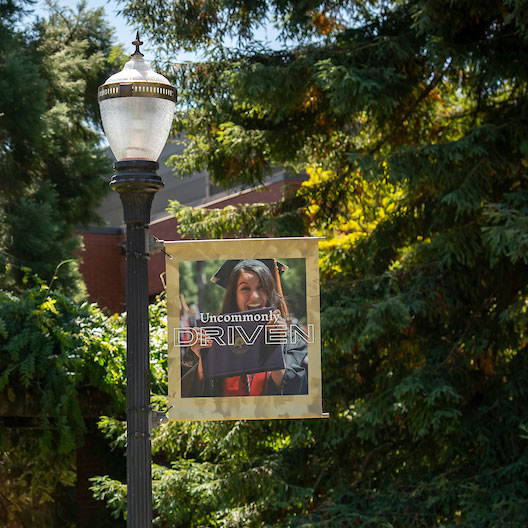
51, 161
66, 361
411, 118
49, 355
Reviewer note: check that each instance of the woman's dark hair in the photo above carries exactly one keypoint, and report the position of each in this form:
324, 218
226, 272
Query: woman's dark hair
274, 299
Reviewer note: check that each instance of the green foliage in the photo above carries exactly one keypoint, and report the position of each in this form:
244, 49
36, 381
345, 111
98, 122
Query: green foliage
506, 230
51, 161
67, 362
47, 359
39, 235
260, 219
46, 344
34, 491
113, 492
221, 472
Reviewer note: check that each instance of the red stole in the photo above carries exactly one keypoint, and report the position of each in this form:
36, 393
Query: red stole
238, 385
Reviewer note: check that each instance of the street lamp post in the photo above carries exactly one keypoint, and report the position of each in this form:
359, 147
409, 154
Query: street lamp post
137, 107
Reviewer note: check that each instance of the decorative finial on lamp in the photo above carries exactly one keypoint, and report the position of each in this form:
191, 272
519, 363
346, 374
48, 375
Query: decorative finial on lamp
137, 43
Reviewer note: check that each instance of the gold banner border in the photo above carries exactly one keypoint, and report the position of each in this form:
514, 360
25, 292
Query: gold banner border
243, 407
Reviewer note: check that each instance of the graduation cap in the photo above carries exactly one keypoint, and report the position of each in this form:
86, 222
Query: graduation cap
221, 277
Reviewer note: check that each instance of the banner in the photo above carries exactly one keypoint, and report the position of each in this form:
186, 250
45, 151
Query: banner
243, 329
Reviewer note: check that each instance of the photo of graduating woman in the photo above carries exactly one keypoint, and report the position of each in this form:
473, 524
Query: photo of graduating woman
258, 339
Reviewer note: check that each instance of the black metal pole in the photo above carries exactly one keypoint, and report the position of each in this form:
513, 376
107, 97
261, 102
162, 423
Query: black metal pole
136, 182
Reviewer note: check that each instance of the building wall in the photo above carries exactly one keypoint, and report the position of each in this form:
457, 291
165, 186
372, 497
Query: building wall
103, 266
103, 262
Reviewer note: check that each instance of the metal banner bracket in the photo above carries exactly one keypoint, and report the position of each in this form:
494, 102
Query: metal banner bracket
155, 245
158, 418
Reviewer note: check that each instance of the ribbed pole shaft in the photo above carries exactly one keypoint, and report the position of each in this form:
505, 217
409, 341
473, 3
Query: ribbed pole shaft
136, 182
139, 480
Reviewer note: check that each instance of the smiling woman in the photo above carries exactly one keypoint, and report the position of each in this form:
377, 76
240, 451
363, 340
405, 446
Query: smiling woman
251, 284
250, 293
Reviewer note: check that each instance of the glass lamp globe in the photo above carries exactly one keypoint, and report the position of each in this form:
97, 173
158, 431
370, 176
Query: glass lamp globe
137, 106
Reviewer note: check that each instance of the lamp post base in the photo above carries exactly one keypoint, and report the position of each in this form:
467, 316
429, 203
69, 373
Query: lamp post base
136, 182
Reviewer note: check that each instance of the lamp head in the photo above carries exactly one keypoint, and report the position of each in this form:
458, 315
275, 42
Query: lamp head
137, 106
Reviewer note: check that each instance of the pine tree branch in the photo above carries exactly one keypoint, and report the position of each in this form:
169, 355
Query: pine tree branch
411, 109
